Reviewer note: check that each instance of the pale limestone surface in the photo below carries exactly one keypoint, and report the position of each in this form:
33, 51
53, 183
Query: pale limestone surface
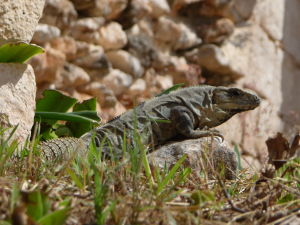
18, 19
112, 36
17, 98
202, 154
44, 33
266, 53
126, 62
117, 81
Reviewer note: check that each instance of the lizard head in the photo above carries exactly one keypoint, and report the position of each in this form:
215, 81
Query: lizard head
234, 100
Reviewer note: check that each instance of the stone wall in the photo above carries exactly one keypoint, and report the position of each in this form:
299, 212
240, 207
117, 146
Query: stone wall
125, 51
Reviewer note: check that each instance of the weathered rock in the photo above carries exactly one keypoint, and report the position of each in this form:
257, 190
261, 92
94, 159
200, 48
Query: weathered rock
215, 31
105, 8
159, 7
67, 45
142, 47
261, 63
87, 29
18, 19
237, 10
46, 66
92, 59
175, 33
179, 4
104, 95
112, 36
215, 60
17, 99
112, 112
182, 72
164, 82
126, 62
135, 11
138, 87
202, 154
60, 13
117, 81
72, 75
45, 33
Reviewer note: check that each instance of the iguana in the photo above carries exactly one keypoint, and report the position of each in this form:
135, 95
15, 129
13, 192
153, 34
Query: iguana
187, 113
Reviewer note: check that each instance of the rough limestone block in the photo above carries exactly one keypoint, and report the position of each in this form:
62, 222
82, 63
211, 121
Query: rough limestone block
17, 98
202, 154
18, 19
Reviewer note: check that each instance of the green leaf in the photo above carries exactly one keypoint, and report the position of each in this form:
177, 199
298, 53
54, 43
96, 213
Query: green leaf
173, 88
18, 52
54, 101
37, 205
75, 178
2, 222
57, 217
73, 117
170, 175
86, 108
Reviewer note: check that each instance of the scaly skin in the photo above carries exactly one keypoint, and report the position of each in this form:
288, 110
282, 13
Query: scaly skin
190, 112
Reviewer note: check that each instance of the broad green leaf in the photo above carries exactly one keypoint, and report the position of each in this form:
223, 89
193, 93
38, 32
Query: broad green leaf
173, 88
86, 108
87, 105
57, 217
18, 52
54, 101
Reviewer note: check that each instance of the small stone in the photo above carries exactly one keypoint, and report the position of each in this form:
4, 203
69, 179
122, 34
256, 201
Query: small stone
184, 72
92, 59
142, 47
179, 4
175, 33
47, 65
126, 62
213, 58
117, 81
104, 95
112, 112
135, 11
159, 7
106, 8
138, 87
164, 82
87, 29
112, 36
66, 45
60, 13
72, 75
215, 32
45, 33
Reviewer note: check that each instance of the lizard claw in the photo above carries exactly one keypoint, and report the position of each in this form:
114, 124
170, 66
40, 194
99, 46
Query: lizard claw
217, 133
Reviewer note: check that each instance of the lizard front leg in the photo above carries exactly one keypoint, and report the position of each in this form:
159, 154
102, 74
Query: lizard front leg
185, 121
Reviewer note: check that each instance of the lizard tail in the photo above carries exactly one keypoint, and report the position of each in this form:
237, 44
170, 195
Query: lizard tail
62, 148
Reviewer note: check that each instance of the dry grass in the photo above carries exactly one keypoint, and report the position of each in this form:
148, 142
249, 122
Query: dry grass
90, 191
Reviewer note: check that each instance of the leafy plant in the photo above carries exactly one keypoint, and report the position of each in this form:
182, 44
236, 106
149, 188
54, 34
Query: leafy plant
18, 52
52, 109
